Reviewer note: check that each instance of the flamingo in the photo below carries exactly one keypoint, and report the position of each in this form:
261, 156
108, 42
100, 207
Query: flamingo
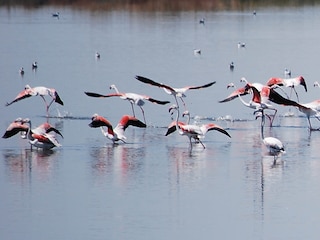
195, 131
176, 92
40, 137
274, 145
288, 82
38, 91
133, 98
115, 134
261, 100
255, 103
311, 109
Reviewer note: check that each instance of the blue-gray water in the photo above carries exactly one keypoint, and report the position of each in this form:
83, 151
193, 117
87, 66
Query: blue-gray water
154, 187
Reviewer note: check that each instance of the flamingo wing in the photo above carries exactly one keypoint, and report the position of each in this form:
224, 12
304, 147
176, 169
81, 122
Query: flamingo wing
151, 82
203, 86
173, 127
127, 121
277, 98
15, 128
54, 130
22, 95
98, 95
99, 121
57, 98
240, 91
212, 126
157, 101
275, 81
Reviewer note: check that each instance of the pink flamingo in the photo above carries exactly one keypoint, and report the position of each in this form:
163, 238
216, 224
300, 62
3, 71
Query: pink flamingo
133, 98
176, 92
38, 91
195, 131
115, 134
40, 137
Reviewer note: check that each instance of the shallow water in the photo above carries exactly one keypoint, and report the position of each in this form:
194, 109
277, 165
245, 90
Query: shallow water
155, 187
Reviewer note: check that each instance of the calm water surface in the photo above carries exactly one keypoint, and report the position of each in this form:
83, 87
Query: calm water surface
154, 187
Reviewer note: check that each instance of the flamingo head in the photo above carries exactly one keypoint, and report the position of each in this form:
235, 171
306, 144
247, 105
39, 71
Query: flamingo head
243, 79
303, 82
173, 107
186, 113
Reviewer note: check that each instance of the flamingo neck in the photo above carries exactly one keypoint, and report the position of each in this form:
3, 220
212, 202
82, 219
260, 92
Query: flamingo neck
115, 88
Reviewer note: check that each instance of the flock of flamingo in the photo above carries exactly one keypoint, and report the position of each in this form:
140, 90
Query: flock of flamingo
263, 95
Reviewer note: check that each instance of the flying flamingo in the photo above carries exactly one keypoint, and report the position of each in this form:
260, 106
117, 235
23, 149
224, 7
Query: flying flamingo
133, 98
38, 91
195, 131
115, 134
40, 137
288, 82
176, 92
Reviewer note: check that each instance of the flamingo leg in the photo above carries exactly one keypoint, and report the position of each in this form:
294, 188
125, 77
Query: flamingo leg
314, 129
296, 93
132, 109
184, 104
274, 115
144, 118
47, 106
201, 143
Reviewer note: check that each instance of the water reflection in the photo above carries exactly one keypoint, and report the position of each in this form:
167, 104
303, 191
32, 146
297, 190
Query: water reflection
21, 164
120, 161
187, 165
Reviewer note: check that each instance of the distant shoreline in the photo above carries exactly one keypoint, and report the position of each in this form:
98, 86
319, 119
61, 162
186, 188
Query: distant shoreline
160, 5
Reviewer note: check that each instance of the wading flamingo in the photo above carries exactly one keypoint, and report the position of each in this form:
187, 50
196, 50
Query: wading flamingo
115, 134
133, 98
40, 137
176, 92
274, 145
38, 91
195, 131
